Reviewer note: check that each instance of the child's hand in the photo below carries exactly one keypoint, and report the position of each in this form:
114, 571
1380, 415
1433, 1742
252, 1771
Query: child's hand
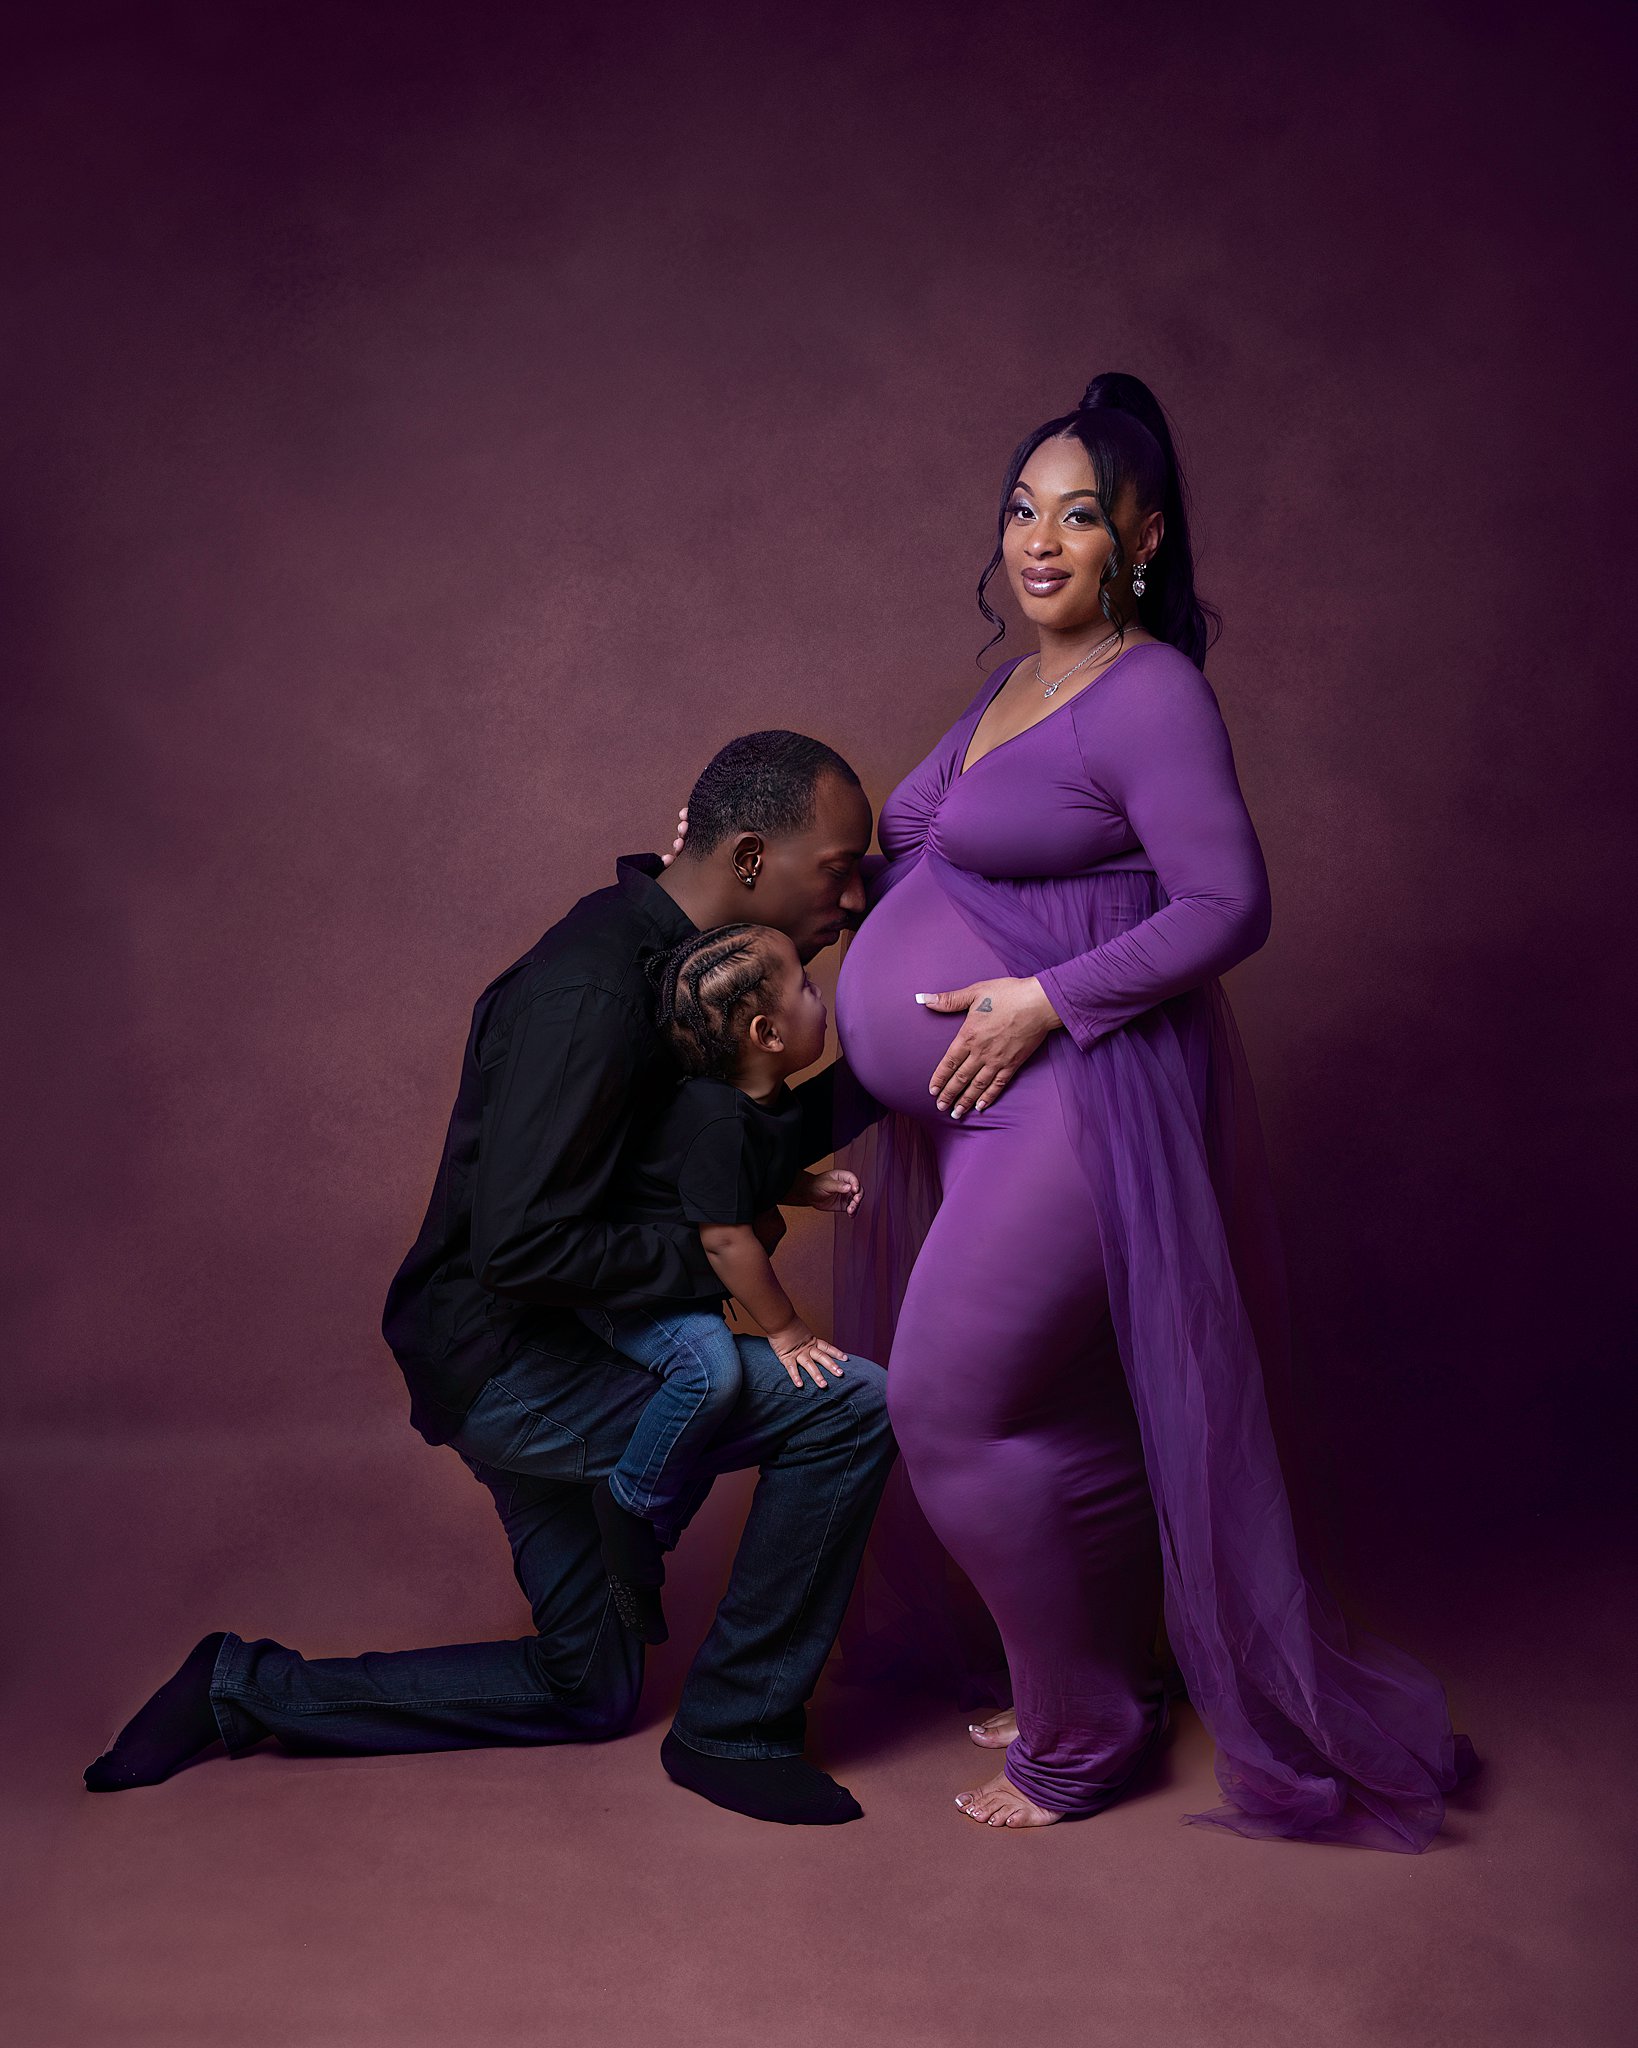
838, 1191
800, 1351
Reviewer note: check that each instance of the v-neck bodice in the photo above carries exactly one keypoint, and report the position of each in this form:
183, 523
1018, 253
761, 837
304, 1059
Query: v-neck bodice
1033, 804
988, 696
1134, 772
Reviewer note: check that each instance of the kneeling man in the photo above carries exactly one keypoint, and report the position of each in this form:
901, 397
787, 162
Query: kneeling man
563, 1061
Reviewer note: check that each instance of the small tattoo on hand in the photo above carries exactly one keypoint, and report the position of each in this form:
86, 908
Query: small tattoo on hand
986, 1004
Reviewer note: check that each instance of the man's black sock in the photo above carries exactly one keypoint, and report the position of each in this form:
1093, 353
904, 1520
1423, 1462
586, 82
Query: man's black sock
779, 1788
635, 1563
159, 1738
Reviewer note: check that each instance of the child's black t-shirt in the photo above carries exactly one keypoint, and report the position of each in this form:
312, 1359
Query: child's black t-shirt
712, 1155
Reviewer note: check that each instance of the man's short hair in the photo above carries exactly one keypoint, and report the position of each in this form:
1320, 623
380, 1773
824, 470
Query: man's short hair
763, 782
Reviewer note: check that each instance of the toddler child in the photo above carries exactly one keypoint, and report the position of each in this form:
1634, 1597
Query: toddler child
741, 1015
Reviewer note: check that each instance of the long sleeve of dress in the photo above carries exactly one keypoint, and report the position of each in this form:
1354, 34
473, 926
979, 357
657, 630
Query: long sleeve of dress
1162, 755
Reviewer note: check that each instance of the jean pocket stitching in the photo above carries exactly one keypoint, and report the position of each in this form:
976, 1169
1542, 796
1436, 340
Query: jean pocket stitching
531, 1421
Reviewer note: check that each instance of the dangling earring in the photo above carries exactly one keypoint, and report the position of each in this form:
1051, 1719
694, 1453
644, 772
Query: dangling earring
1137, 578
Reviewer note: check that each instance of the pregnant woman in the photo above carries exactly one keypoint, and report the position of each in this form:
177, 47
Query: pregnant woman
1067, 1235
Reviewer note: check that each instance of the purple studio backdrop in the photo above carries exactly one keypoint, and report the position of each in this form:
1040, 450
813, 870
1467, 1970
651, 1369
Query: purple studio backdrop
431, 435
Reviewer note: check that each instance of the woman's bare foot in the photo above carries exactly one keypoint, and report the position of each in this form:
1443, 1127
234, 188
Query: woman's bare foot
1000, 1804
996, 1730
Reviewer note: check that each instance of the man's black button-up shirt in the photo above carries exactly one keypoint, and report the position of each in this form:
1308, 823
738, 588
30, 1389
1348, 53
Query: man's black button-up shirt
562, 1061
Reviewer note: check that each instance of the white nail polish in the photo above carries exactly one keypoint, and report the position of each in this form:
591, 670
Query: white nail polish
921, 999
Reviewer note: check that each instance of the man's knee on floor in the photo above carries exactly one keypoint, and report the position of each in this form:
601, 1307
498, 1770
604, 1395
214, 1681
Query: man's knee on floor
606, 1713
602, 1697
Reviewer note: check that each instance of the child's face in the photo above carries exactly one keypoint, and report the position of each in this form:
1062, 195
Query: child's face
798, 1012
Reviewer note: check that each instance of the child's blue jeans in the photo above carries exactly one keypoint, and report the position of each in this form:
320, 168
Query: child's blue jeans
693, 1354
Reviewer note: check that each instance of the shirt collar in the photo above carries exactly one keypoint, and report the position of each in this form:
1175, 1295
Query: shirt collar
638, 875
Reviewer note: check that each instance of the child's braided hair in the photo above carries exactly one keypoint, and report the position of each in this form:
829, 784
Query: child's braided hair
707, 989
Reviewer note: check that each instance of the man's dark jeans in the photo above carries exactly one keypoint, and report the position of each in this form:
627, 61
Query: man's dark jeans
542, 1430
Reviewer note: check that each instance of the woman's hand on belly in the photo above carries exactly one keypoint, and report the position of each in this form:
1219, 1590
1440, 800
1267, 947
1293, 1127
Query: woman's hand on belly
1007, 1021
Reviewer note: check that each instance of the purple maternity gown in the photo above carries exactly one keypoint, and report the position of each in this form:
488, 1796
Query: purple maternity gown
1079, 1289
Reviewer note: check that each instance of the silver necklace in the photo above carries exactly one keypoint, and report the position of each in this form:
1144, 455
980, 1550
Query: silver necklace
1068, 672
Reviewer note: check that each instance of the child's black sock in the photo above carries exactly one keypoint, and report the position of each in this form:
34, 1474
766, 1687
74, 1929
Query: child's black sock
635, 1565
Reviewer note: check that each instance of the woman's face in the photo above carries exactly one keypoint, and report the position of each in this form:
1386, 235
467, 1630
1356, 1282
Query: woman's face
1053, 543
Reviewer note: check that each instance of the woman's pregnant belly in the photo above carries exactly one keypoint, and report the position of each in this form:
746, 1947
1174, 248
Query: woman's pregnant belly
914, 941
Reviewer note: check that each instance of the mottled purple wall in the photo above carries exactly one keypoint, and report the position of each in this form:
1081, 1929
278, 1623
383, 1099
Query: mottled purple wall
428, 441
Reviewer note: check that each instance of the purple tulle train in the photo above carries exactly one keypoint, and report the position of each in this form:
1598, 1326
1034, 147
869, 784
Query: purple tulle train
1322, 1733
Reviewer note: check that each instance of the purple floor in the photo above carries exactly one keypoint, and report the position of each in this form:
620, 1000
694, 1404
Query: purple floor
577, 1896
